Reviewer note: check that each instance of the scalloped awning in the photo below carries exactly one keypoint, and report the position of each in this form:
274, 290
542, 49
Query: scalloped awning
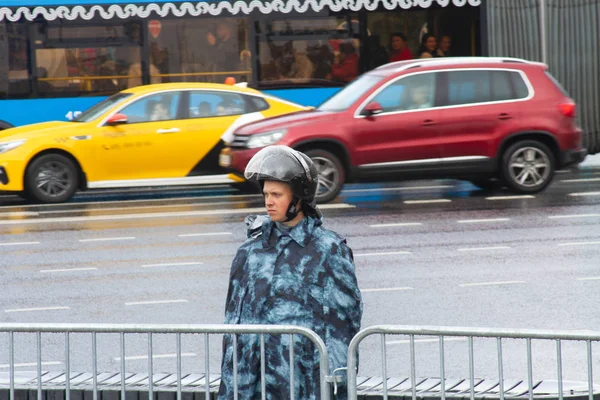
194, 9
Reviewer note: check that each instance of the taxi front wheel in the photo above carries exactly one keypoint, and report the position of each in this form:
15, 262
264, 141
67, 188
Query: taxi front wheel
51, 178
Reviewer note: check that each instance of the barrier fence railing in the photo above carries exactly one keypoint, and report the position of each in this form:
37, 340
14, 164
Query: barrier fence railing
470, 333
150, 330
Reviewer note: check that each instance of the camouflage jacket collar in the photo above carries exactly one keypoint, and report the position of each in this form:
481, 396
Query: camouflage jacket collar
301, 233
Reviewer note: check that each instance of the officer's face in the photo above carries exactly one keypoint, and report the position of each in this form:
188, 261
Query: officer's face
278, 196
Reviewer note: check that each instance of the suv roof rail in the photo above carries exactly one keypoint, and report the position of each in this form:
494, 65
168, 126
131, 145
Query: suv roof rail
403, 65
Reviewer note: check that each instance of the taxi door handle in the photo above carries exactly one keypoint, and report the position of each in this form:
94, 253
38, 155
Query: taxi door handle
172, 130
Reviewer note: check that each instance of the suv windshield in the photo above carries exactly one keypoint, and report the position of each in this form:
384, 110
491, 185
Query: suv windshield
352, 92
96, 110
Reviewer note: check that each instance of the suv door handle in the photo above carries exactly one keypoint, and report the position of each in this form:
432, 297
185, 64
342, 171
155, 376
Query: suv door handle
504, 116
428, 122
172, 130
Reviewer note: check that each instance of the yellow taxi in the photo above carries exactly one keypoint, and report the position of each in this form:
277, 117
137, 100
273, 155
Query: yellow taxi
164, 134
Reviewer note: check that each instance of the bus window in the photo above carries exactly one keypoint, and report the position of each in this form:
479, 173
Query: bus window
323, 51
13, 61
200, 50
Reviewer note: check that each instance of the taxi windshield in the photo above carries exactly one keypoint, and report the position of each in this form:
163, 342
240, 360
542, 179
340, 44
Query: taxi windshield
98, 109
343, 99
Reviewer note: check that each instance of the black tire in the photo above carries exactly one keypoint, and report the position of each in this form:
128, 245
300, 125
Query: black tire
535, 174
336, 175
61, 177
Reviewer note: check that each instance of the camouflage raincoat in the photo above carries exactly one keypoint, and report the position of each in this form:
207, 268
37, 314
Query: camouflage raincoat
300, 276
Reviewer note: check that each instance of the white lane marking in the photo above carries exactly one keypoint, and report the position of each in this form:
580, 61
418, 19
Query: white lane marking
398, 189
158, 215
107, 239
18, 243
579, 243
171, 264
145, 357
139, 207
525, 196
581, 180
36, 309
446, 339
393, 289
396, 225
205, 234
31, 364
589, 278
68, 270
491, 283
583, 194
427, 201
562, 171
574, 216
475, 221
19, 214
484, 248
143, 303
389, 253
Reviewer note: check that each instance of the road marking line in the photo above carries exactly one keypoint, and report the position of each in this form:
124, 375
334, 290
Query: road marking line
145, 357
138, 207
484, 248
205, 234
396, 225
398, 189
19, 214
36, 309
578, 243
573, 216
68, 270
141, 303
31, 364
581, 180
171, 264
446, 339
589, 278
158, 215
491, 283
107, 239
525, 196
390, 253
562, 171
427, 201
385, 289
18, 243
474, 221
581, 194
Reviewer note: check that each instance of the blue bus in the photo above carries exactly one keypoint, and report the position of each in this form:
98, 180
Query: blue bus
57, 58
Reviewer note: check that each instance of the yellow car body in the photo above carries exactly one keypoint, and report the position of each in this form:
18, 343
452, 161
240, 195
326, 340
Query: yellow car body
165, 134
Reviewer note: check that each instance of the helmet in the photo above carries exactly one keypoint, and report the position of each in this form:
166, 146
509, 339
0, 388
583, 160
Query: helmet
284, 164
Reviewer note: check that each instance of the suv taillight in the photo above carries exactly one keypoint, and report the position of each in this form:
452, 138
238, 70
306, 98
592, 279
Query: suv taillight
567, 109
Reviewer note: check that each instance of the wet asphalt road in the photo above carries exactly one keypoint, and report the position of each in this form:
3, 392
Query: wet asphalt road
427, 253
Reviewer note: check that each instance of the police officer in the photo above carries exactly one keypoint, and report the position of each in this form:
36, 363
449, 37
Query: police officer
290, 271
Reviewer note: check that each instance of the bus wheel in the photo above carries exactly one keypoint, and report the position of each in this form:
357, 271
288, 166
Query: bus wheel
51, 178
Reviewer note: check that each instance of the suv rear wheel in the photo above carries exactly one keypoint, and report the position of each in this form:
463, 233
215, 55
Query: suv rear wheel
331, 174
528, 166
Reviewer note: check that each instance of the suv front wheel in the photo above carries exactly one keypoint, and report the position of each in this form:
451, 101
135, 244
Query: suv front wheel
528, 166
331, 174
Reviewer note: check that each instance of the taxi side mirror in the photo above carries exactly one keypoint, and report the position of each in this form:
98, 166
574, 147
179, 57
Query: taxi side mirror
117, 119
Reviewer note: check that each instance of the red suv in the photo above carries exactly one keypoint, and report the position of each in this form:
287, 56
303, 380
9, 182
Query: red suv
472, 118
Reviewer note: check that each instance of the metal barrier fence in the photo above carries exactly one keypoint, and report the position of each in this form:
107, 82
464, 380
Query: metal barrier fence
150, 330
469, 333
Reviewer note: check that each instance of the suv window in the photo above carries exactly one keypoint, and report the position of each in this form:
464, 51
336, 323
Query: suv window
412, 92
482, 86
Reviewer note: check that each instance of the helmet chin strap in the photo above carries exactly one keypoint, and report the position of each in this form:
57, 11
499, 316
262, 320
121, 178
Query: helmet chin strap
292, 212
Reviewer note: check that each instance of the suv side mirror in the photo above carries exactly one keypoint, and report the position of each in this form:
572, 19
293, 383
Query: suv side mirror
373, 108
117, 119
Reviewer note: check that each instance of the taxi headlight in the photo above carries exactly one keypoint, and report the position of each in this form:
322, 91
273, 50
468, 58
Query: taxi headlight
265, 139
6, 146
